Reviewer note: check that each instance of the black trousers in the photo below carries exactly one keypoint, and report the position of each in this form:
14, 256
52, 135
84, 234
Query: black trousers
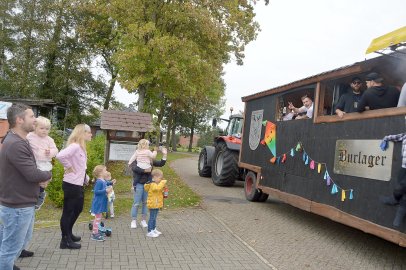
73, 196
400, 190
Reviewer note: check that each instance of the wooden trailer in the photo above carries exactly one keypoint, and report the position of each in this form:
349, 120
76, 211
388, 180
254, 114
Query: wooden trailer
327, 165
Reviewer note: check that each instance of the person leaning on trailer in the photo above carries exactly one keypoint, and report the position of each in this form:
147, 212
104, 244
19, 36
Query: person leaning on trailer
377, 96
306, 108
348, 102
402, 97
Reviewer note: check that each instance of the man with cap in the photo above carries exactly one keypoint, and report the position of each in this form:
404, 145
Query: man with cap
377, 96
348, 102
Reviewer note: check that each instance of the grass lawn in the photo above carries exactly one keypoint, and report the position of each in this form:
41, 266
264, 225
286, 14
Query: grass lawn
180, 195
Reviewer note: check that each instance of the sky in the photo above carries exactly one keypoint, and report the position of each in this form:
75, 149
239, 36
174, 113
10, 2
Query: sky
300, 38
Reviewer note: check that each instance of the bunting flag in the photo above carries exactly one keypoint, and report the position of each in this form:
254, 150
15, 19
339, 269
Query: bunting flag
270, 136
334, 189
307, 159
342, 195
283, 158
298, 147
312, 164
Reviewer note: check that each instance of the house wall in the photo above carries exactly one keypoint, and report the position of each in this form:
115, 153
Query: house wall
184, 141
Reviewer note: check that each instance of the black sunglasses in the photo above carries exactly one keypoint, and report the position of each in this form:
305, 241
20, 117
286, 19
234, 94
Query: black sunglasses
357, 82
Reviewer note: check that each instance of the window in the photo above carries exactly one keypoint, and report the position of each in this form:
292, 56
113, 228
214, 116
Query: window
302, 100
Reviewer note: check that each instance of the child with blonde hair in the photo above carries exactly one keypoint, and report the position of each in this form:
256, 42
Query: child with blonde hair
44, 150
111, 197
155, 200
99, 202
143, 155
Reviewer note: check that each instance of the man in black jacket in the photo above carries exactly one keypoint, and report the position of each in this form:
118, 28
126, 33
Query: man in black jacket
378, 96
348, 102
19, 185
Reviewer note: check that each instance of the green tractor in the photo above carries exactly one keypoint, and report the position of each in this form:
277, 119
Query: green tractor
220, 161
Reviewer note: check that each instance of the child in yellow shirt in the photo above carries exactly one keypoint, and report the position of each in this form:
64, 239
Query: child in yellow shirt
155, 200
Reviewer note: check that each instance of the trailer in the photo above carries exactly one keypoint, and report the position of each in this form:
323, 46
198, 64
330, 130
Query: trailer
327, 165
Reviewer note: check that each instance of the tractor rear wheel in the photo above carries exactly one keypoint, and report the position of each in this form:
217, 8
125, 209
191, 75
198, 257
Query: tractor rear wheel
225, 166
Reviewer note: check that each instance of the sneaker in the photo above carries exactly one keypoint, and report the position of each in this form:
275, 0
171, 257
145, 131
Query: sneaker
25, 254
112, 216
97, 237
133, 224
156, 232
143, 224
41, 200
152, 234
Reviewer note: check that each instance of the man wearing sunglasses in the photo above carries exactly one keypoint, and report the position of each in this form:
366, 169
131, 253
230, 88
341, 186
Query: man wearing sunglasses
348, 102
378, 96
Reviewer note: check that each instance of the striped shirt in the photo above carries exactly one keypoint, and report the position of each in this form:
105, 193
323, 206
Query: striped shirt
398, 138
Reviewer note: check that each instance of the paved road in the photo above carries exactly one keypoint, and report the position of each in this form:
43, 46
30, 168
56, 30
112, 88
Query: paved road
289, 238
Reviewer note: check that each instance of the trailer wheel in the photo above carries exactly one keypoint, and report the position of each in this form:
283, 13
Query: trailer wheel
225, 166
263, 197
251, 193
203, 168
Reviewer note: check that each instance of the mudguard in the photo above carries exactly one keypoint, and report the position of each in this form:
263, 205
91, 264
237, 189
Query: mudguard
210, 154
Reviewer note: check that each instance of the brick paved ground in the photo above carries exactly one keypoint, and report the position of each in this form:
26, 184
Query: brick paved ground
290, 238
191, 239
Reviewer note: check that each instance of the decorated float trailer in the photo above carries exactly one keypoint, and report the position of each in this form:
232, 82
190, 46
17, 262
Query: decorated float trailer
330, 166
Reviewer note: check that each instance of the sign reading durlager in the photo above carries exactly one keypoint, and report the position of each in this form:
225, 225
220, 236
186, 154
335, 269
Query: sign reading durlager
363, 158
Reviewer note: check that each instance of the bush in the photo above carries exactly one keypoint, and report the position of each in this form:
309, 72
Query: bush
95, 153
95, 156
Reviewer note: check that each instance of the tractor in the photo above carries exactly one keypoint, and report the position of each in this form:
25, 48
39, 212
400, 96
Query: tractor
220, 161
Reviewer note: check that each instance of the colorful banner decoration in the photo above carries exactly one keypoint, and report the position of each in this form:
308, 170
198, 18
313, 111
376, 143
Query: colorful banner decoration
270, 136
308, 161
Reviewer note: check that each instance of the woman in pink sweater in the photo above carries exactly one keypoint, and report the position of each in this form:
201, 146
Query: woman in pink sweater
74, 160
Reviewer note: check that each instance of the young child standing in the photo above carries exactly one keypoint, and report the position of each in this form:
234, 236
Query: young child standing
99, 202
44, 150
399, 193
111, 197
155, 200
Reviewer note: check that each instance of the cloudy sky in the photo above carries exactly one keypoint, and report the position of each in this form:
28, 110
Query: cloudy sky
302, 38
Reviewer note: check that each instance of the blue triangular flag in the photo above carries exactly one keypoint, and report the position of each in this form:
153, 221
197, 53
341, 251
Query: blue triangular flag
278, 160
307, 160
325, 175
351, 196
334, 189
292, 152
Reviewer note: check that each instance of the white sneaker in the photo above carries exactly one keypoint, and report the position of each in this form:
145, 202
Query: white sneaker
143, 224
156, 232
152, 234
133, 224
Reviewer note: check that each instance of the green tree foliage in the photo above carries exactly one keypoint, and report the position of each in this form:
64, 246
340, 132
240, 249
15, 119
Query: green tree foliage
42, 56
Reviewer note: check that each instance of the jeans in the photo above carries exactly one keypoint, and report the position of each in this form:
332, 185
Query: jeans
140, 196
16, 226
73, 196
153, 213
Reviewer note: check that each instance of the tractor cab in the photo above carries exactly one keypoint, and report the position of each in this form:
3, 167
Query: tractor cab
234, 127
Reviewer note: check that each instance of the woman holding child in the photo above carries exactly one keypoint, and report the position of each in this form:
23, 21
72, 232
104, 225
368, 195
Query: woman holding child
142, 176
